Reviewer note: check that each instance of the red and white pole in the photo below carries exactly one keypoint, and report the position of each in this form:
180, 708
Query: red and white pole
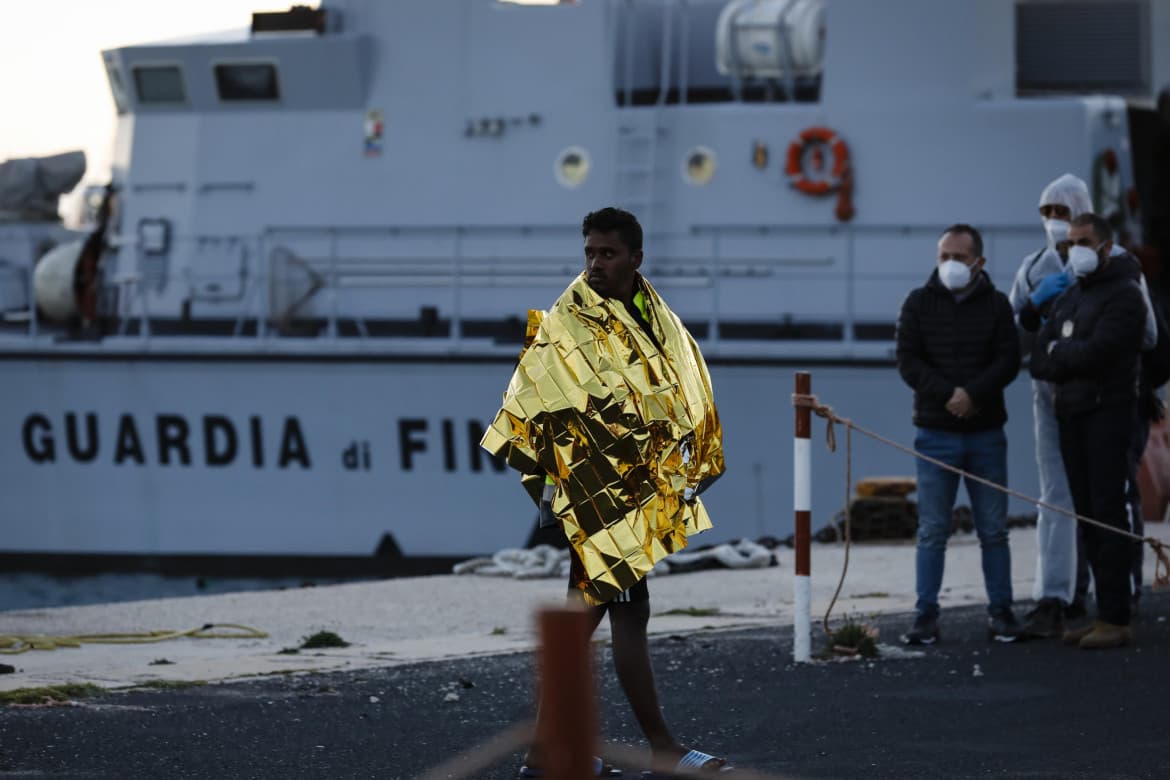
802, 504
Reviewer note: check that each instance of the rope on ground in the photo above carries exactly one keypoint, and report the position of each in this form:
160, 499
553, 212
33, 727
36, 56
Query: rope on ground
824, 411
13, 644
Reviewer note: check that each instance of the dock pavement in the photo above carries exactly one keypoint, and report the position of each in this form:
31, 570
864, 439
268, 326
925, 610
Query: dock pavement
438, 664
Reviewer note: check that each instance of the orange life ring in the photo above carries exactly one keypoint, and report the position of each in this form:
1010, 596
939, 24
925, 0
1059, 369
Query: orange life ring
817, 139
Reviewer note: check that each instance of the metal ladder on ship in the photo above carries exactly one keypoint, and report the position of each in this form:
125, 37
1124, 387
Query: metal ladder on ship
641, 131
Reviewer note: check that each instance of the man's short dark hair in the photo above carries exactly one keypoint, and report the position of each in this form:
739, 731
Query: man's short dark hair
1101, 227
976, 238
610, 219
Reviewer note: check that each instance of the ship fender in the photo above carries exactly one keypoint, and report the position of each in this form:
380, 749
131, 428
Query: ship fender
53, 281
813, 143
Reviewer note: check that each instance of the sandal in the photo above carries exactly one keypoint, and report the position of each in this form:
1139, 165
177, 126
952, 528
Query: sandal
600, 769
692, 764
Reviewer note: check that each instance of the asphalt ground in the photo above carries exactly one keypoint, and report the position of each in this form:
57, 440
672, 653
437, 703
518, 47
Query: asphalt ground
965, 708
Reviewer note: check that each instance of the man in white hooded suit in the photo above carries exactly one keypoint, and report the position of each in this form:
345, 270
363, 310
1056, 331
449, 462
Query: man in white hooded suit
1042, 277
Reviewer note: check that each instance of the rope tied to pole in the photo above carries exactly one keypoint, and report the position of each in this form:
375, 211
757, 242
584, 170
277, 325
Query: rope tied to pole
824, 411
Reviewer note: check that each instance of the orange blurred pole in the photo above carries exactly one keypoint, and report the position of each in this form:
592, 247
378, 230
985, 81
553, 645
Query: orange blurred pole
568, 720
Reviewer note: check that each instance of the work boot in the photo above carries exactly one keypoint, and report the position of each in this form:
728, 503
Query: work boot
1074, 634
1046, 619
924, 631
1105, 635
1002, 627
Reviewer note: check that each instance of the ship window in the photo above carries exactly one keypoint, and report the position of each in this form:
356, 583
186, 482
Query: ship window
160, 84
247, 81
1083, 47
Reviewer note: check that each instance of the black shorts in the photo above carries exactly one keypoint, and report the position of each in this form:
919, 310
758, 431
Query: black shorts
632, 595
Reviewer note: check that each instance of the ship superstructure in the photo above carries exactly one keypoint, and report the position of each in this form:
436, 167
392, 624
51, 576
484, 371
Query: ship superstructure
323, 235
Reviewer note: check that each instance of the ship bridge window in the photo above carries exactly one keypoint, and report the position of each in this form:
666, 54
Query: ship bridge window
247, 81
159, 84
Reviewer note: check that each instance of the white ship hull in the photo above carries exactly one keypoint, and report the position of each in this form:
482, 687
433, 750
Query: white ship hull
320, 457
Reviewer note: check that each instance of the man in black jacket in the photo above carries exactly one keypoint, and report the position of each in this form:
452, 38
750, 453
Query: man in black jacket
1088, 345
958, 349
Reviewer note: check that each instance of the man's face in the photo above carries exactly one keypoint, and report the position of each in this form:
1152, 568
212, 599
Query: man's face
1083, 235
961, 247
610, 267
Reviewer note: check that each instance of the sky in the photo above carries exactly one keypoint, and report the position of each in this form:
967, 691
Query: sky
54, 96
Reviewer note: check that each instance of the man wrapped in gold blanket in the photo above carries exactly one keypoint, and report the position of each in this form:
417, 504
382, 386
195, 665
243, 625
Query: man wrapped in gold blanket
611, 419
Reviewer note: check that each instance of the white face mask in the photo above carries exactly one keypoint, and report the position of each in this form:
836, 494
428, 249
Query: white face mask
1056, 230
953, 274
1082, 260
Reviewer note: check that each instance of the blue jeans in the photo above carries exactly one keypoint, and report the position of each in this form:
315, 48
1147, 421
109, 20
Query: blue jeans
983, 454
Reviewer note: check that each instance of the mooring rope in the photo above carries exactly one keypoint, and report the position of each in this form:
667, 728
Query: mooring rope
1161, 568
13, 644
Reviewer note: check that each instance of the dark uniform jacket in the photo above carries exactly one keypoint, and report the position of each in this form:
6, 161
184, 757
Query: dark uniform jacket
945, 342
1095, 331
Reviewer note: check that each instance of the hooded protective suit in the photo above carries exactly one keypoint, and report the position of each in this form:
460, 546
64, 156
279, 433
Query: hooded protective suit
1073, 194
1056, 538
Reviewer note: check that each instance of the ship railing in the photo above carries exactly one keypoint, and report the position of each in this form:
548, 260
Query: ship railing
748, 290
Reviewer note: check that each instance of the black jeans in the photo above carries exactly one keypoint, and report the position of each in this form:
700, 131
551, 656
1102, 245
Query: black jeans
1095, 448
1137, 448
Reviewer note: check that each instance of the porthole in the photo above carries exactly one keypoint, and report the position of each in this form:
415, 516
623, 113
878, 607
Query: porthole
699, 166
572, 167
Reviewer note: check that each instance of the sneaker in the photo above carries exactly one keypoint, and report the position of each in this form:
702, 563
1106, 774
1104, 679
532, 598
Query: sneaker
1074, 634
1046, 619
1002, 627
924, 631
1105, 635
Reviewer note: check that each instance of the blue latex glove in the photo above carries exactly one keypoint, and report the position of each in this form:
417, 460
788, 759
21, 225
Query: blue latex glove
1050, 287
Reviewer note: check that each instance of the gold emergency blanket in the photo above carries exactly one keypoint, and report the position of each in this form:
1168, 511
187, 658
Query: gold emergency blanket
626, 432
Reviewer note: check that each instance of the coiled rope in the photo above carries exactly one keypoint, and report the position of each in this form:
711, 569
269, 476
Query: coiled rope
824, 411
13, 644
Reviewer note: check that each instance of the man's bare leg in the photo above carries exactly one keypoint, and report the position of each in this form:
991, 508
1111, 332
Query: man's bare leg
631, 661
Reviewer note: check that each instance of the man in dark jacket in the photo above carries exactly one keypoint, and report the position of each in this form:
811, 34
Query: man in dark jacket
1088, 345
958, 348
